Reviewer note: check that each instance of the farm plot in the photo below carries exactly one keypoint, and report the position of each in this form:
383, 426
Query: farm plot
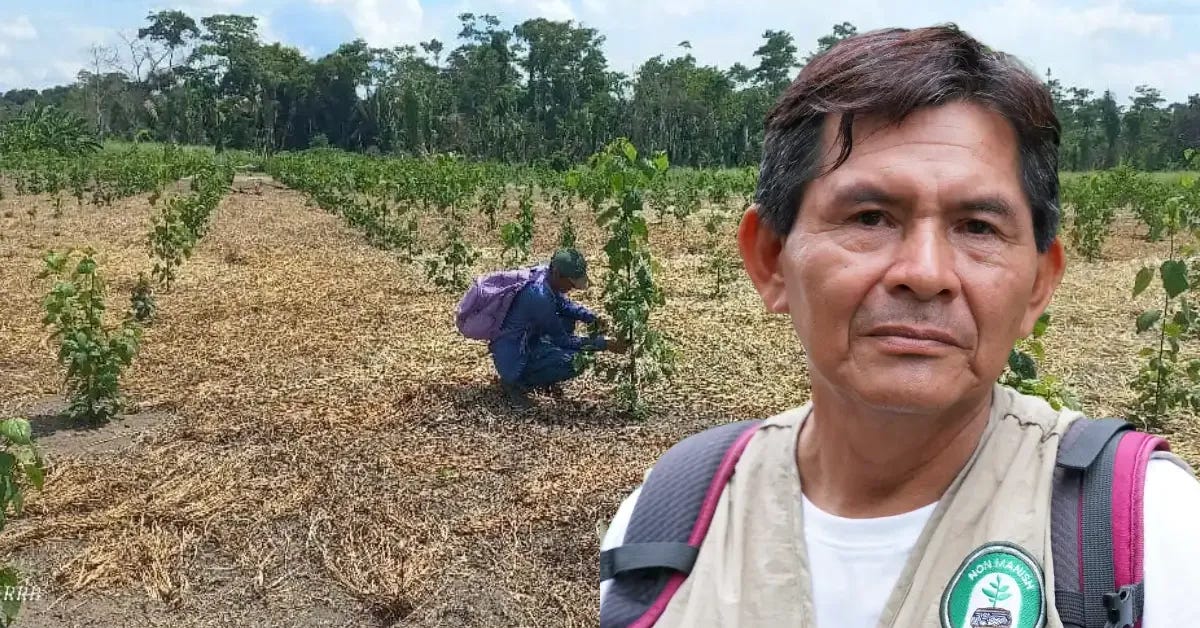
313, 444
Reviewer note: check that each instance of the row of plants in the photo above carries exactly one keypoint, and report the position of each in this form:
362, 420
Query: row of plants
1093, 200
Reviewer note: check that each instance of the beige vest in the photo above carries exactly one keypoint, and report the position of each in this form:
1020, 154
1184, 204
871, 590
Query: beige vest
752, 570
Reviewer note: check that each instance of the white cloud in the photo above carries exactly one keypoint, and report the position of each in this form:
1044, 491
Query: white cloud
217, 6
520, 10
554, 10
19, 29
9, 76
1079, 44
1097, 44
382, 22
1026, 19
650, 14
266, 31
1155, 73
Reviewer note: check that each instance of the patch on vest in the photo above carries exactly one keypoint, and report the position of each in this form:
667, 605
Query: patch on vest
999, 585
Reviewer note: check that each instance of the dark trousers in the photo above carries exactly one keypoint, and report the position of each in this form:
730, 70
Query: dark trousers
546, 363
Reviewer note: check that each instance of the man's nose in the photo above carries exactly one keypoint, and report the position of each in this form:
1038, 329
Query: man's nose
924, 264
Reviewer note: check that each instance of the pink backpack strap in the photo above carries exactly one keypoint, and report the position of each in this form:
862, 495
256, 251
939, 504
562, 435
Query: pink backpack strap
1133, 455
1097, 523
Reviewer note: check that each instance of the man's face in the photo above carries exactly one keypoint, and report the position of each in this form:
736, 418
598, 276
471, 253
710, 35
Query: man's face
911, 270
559, 283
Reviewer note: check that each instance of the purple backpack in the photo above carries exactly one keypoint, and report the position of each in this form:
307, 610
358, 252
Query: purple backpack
1096, 523
482, 309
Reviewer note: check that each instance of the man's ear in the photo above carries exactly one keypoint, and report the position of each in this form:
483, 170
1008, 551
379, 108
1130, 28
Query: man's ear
761, 248
1051, 266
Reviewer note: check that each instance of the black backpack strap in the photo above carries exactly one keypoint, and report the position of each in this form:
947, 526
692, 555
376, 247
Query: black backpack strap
1081, 525
633, 556
656, 544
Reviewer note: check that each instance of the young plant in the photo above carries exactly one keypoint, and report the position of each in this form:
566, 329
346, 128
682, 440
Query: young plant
517, 236
1022, 372
403, 234
142, 304
451, 269
491, 201
93, 355
719, 261
169, 241
182, 220
21, 468
451, 182
1090, 197
687, 203
630, 292
566, 231
1167, 381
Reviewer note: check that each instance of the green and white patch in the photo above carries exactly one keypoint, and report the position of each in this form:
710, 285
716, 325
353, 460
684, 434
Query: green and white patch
999, 585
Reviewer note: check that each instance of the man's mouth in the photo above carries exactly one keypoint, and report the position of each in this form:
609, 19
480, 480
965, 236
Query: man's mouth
922, 335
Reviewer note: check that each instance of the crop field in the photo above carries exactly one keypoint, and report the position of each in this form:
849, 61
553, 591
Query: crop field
305, 438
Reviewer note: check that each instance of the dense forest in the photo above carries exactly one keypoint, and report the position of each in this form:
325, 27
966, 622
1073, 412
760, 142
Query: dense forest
540, 91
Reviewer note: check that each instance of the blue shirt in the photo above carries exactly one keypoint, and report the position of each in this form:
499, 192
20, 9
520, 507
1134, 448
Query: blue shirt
538, 312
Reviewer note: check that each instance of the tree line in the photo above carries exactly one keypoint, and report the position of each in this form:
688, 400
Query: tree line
540, 91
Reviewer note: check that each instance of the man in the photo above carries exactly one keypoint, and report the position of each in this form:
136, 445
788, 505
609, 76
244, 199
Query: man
537, 344
906, 220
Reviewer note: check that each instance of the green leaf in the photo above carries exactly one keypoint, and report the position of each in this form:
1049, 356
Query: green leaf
1193, 370
15, 430
637, 228
1147, 319
36, 474
607, 215
1185, 316
1142, 281
1022, 364
1174, 277
660, 162
1173, 330
1043, 322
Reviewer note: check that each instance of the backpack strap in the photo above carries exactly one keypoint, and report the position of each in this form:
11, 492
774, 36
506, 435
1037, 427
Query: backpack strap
1096, 523
668, 525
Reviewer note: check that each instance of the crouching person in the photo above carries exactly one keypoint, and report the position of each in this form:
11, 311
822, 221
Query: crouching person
536, 344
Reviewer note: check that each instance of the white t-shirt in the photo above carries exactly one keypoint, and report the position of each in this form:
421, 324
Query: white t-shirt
856, 562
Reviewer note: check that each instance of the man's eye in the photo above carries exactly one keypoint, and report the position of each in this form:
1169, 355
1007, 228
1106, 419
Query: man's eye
979, 227
870, 218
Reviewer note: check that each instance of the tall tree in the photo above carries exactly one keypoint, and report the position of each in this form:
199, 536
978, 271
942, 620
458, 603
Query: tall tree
842, 31
565, 77
539, 91
1142, 122
776, 60
172, 29
484, 78
1110, 122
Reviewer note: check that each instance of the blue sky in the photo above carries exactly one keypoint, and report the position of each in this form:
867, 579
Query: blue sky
1100, 44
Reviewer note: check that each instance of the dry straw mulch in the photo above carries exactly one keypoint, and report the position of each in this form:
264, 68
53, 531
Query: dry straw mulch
332, 453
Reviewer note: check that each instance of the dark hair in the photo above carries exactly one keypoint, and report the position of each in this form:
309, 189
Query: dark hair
891, 73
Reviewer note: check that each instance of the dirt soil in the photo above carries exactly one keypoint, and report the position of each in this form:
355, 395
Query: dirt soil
312, 444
